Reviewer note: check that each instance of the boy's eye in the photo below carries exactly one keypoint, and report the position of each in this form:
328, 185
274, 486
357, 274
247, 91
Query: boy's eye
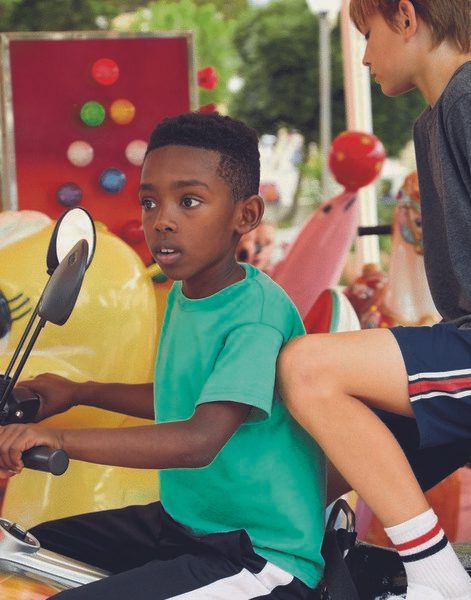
190, 202
147, 203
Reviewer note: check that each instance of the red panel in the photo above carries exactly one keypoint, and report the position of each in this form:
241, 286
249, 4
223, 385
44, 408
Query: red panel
52, 79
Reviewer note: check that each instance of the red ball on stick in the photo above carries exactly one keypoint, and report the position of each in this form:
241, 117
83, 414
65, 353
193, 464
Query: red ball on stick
356, 159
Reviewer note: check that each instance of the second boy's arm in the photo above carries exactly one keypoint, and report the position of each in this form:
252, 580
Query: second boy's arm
191, 443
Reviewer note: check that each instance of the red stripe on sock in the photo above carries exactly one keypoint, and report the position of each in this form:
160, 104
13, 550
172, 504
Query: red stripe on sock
419, 540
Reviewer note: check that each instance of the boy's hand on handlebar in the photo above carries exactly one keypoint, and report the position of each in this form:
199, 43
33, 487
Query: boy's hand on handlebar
57, 394
15, 439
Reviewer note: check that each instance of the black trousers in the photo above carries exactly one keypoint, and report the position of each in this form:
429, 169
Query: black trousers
152, 557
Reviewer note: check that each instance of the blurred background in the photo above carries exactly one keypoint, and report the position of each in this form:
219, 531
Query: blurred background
259, 61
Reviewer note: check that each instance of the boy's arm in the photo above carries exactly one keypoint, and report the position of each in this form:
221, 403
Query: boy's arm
59, 394
191, 443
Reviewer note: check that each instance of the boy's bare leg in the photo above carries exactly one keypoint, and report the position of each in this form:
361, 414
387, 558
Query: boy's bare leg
329, 382
336, 484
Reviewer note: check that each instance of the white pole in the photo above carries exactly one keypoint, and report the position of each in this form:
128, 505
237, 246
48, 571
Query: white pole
325, 100
359, 117
327, 12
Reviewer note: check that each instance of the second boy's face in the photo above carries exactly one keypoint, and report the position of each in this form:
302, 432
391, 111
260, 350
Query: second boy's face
385, 55
189, 217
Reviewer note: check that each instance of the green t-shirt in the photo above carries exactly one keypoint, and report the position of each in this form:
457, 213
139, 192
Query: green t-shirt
269, 478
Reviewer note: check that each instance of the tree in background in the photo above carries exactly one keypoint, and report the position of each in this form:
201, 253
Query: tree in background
279, 55
59, 15
230, 10
6, 7
212, 35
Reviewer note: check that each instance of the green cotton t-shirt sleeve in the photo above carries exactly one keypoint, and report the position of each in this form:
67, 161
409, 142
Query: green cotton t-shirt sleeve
245, 369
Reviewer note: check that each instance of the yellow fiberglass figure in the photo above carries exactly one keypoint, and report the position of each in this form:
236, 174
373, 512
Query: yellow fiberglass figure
110, 336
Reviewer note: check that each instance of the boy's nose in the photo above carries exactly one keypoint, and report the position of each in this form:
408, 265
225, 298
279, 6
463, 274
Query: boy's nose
164, 222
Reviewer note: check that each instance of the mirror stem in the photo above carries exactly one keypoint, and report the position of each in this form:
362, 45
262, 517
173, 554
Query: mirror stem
22, 341
21, 364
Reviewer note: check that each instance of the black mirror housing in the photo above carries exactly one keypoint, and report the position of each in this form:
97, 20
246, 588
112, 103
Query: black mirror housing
61, 292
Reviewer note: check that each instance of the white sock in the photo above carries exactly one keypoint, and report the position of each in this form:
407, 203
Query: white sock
431, 564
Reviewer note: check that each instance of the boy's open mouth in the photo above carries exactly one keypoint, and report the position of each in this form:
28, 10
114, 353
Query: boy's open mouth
167, 256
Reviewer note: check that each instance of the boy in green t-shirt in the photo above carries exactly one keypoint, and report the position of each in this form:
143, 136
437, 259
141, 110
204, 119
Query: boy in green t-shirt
242, 485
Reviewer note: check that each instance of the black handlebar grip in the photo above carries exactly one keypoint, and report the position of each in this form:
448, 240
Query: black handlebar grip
43, 458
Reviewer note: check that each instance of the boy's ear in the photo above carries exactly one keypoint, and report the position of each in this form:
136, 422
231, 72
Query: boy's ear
250, 214
407, 18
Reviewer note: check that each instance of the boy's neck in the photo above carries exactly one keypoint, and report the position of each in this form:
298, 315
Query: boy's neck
439, 67
202, 286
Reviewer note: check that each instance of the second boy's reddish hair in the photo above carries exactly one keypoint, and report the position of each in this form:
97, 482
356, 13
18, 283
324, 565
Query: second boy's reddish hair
447, 19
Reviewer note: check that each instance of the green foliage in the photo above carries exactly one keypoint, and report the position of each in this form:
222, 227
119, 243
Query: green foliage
212, 36
50, 15
6, 8
58, 15
279, 50
230, 10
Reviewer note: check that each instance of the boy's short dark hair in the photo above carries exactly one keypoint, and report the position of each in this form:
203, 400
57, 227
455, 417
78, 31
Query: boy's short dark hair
237, 144
448, 19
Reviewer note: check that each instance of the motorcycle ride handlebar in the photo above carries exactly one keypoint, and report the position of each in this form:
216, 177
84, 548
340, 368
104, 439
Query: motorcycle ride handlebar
43, 458
22, 407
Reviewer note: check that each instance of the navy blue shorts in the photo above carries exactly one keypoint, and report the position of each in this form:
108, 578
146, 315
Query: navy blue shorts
438, 364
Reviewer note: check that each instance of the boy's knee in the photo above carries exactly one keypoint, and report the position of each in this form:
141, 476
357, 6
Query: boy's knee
303, 377
296, 372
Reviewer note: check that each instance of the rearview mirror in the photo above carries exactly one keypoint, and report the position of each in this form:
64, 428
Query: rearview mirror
74, 225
